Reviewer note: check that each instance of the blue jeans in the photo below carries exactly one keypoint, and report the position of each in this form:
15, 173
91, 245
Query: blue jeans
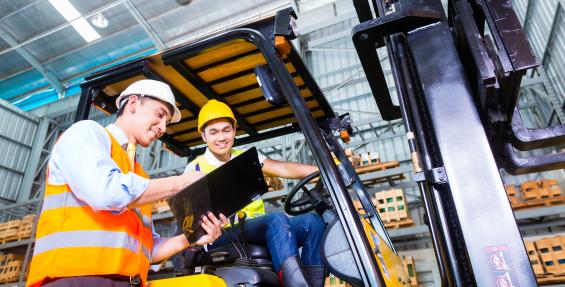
283, 236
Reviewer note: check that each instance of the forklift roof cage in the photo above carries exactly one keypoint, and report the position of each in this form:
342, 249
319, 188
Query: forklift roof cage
222, 67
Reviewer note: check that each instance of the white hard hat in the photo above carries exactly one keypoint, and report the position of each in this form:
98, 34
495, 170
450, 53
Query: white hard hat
151, 88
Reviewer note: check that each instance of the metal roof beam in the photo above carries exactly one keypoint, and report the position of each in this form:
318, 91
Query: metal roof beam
49, 75
207, 92
60, 27
20, 9
146, 27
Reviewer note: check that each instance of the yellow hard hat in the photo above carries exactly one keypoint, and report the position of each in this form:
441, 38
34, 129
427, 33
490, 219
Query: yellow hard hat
212, 110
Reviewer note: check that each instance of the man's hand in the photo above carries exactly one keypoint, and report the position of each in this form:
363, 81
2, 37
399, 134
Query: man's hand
213, 227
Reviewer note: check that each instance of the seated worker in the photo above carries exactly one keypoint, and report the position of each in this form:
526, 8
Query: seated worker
95, 226
282, 235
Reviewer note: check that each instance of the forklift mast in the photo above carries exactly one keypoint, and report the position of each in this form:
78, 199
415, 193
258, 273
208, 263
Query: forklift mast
458, 82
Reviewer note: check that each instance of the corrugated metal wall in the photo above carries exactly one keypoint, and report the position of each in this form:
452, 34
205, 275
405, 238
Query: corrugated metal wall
544, 25
331, 57
554, 61
17, 135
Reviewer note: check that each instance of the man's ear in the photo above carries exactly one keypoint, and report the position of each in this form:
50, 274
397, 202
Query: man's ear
203, 137
131, 104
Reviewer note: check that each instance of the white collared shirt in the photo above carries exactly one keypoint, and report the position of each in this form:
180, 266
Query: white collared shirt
82, 159
211, 159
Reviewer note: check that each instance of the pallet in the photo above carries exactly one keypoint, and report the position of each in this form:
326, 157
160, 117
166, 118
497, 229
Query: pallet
11, 266
551, 253
547, 279
9, 231
540, 189
534, 257
539, 202
399, 223
11, 272
377, 180
26, 227
376, 167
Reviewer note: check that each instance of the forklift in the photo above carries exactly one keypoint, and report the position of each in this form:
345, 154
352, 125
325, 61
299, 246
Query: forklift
457, 93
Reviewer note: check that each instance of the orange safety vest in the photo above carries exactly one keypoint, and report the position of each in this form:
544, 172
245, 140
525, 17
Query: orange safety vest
72, 239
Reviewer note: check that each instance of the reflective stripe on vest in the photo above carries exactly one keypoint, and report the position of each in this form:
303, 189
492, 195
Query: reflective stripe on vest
72, 239
89, 238
68, 199
255, 208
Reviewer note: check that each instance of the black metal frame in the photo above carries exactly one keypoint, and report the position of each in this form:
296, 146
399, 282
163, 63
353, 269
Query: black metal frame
94, 84
458, 98
495, 69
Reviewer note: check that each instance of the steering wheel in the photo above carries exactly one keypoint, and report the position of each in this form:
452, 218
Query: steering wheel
313, 197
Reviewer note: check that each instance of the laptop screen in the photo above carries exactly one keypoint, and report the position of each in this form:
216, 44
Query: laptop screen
226, 190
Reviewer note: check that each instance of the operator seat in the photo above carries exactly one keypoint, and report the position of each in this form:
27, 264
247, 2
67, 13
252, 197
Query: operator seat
226, 262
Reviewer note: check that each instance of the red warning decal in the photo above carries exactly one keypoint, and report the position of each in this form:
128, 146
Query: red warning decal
500, 265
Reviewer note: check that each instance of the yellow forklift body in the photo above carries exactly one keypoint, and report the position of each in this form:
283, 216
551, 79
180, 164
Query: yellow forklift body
200, 280
389, 262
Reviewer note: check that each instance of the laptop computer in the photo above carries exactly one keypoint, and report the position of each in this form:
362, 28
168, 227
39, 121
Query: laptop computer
226, 190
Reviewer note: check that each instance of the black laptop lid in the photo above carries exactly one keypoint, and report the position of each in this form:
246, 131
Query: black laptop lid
226, 190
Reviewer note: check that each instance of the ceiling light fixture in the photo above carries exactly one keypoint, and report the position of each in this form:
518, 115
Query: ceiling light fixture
71, 14
99, 21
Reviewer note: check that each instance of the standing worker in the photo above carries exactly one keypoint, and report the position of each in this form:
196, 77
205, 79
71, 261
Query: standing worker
95, 226
281, 235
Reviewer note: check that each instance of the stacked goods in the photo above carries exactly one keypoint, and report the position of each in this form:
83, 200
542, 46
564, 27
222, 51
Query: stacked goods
26, 227
535, 193
160, 206
547, 256
392, 208
409, 267
10, 267
274, 183
370, 158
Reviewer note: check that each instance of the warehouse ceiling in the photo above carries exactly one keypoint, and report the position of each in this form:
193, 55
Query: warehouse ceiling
48, 46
